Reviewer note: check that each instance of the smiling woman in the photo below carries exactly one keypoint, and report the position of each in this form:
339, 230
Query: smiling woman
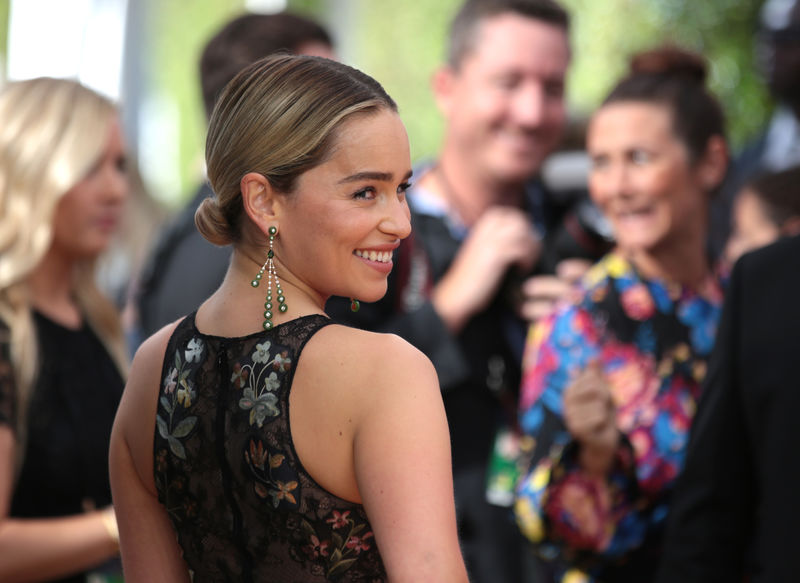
339, 218
274, 442
657, 158
611, 380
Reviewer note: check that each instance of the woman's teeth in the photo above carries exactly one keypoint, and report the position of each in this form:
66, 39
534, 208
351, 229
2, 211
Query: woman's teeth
381, 256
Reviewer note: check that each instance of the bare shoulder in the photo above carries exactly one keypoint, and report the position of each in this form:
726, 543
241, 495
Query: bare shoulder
369, 365
366, 352
391, 408
148, 359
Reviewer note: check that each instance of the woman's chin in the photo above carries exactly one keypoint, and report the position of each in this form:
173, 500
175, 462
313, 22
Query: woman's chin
644, 243
371, 295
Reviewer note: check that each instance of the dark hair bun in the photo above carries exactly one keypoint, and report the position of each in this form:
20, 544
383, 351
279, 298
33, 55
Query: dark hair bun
670, 61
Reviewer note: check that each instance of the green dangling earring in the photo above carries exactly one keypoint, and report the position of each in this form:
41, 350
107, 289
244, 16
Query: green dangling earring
269, 266
355, 305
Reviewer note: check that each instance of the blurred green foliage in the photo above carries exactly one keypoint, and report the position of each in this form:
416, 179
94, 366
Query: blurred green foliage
402, 46
606, 34
174, 37
402, 43
5, 7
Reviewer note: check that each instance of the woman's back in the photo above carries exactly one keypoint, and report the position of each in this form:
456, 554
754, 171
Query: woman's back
244, 506
309, 163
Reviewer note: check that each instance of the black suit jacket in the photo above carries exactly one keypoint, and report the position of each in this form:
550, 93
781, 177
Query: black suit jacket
736, 509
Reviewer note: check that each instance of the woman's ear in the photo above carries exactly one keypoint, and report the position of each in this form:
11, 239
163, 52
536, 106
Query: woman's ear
714, 163
260, 200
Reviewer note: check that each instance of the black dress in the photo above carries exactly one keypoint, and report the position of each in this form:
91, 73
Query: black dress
244, 507
72, 408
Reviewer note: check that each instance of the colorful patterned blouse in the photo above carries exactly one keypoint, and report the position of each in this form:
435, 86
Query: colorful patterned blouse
652, 339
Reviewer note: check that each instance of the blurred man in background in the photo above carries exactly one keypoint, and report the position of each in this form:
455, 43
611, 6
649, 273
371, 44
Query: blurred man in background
483, 223
171, 285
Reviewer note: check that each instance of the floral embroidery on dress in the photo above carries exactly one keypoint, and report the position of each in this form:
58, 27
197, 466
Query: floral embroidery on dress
174, 402
259, 380
273, 478
338, 547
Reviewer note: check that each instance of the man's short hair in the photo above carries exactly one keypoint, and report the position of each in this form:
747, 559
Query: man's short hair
779, 192
248, 38
463, 30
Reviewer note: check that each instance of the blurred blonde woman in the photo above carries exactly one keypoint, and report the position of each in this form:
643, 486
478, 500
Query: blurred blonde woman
62, 360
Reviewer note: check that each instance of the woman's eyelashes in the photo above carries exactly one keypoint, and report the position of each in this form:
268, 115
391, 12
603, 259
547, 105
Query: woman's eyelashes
367, 193
371, 192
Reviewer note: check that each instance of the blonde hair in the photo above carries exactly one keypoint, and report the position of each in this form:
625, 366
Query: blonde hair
278, 117
53, 132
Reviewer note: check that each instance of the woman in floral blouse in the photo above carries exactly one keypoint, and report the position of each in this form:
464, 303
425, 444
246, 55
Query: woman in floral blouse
611, 379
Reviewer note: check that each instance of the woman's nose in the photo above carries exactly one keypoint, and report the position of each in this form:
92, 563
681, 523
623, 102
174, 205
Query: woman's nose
398, 218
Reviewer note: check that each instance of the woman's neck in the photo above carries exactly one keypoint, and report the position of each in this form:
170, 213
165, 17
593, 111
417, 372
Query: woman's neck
51, 286
684, 263
237, 308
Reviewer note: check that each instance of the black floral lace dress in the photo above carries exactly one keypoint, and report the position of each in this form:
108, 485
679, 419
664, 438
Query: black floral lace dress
226, 470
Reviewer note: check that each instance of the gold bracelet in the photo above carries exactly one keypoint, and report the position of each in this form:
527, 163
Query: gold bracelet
110, 523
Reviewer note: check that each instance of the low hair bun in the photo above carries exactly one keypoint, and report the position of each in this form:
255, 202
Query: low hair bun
212, 223
670, 61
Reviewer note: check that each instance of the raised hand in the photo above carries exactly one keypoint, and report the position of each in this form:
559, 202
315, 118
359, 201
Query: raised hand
541, 293
590, 417
502, 238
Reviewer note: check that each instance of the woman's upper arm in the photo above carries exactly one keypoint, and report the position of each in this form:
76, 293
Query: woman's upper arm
149, 548
403, 468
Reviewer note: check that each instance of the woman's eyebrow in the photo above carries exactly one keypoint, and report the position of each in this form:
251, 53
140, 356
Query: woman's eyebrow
372, 175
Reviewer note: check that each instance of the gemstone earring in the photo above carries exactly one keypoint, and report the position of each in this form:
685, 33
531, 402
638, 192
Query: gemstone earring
269, 266
355, 305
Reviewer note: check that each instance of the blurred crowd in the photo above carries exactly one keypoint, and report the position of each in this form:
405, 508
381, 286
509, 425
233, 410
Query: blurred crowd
609, 306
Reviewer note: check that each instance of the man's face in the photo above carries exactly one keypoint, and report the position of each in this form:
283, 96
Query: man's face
504, 105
